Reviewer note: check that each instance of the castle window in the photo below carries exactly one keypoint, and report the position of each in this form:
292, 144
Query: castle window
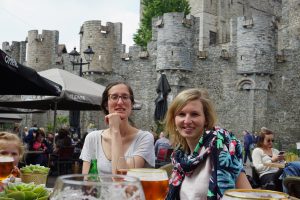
172, 53
36, 60
212, 38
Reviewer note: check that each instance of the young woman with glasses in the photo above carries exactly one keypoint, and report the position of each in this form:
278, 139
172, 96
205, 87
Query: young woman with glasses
120, 138
265, 153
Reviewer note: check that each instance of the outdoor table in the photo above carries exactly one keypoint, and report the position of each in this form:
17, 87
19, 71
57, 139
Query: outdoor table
278, 165
31, 152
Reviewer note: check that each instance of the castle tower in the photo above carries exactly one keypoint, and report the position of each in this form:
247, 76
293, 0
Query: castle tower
255, 62
104, 40
175, 49
42, 49
206, 13
17, 50
174, 43
255, 45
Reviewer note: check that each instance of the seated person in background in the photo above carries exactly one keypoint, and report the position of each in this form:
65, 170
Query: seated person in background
62, 140
270, 177
39, 145
265, 153
11, 145
48, 141
162, 142
207, 159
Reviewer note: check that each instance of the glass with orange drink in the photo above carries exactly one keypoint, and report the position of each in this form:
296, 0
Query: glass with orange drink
6, 166
154, 181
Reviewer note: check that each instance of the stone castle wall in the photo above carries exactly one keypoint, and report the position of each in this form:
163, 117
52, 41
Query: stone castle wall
251, 72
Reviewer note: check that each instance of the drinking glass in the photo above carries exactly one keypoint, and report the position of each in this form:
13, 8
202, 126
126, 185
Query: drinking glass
6, 166
124, 163
92, 187
154, 181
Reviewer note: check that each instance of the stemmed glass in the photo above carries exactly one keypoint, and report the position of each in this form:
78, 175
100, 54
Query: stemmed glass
125, 163
6, 166
154, 182
92, 187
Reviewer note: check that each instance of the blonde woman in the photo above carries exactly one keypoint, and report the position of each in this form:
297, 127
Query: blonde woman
207, 159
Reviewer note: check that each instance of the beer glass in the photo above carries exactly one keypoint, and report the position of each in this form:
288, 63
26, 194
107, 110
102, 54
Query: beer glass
92, 187
124, 163
6, 166
154, 182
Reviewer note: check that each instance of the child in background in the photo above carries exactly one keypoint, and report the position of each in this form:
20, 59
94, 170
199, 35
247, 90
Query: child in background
11, 145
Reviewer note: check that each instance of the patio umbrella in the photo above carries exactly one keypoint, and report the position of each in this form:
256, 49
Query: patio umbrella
19, 110
17, 79
161, 102
77, 94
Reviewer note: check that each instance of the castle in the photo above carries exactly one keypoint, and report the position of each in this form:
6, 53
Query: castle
245, 52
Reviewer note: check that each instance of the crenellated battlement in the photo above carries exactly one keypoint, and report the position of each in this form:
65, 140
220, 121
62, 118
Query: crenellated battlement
42, 48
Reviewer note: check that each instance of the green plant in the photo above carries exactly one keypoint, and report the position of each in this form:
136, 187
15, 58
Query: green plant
49, 127
60, 122
155, 8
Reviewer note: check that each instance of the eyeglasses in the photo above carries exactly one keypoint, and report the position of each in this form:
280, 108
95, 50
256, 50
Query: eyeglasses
116, 97
270, 140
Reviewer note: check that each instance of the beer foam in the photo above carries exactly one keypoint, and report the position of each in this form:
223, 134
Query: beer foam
145, 174
6, 159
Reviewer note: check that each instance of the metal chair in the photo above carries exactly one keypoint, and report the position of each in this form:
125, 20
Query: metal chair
292, 183
163, 157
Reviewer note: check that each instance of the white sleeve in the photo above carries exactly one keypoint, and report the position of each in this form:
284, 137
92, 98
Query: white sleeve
88, 149
144, 148
257, 155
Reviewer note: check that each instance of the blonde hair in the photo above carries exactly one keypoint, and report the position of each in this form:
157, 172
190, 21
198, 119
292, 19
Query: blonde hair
10, 137
178, 103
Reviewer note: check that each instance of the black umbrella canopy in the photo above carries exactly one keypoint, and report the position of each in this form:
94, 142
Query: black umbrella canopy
19, 110
17, 79
77, 94
161, 102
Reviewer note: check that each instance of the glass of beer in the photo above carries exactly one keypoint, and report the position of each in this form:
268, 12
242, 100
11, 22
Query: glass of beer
6, 166
154, 181
124, 163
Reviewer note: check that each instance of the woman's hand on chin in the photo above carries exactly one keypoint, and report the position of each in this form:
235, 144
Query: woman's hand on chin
113, 120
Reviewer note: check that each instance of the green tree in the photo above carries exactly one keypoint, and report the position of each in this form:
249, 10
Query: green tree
155, 8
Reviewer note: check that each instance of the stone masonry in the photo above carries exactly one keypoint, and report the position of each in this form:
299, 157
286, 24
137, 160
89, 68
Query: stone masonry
245, 52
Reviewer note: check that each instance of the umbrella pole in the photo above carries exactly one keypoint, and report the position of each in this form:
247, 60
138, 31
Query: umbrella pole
54, 121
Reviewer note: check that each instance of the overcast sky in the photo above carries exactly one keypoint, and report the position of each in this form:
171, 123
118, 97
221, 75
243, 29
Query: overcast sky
66, 16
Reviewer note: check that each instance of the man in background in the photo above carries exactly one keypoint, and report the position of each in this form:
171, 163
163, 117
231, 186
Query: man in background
247, 146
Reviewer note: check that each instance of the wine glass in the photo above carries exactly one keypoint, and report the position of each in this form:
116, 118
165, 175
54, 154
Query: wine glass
154, 181
6, 166
92, 187
124, 163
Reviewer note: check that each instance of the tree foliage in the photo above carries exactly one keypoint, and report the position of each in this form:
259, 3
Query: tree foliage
155, 8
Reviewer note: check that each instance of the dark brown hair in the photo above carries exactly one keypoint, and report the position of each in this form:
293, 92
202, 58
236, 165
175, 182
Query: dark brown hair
263, 132
104, 101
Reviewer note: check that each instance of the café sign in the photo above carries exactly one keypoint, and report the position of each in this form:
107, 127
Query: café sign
10, 61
